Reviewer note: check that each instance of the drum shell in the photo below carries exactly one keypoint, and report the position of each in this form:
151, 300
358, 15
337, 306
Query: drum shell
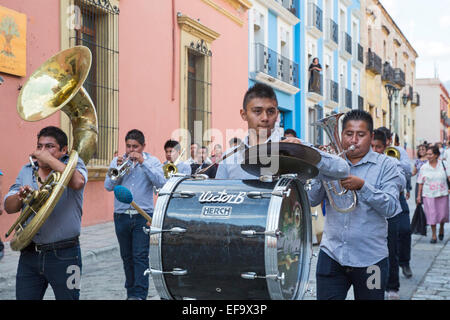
213, 250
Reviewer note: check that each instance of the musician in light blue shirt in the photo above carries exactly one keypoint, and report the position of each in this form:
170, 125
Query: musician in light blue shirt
172, 150
260, 111
145, 173
354, 248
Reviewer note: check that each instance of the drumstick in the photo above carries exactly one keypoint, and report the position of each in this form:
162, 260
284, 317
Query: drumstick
223, 158
124, 195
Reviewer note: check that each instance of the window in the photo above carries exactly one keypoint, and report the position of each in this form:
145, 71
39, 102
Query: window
97, 29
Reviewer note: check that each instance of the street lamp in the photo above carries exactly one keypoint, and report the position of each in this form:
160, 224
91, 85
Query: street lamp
391, 92
405, 99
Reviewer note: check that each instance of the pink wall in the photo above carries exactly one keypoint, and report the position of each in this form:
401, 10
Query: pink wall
145, 82
18, 137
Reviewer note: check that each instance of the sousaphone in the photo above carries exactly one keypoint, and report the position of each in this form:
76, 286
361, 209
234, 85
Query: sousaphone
56, 85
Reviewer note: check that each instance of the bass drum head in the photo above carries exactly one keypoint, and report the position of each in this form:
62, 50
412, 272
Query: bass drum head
294, 245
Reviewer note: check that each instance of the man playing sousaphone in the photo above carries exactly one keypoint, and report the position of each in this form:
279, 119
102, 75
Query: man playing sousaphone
354, 251
53, 257
260, 111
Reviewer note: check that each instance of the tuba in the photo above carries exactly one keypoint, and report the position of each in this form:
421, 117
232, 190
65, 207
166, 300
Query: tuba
330, 126
56, 85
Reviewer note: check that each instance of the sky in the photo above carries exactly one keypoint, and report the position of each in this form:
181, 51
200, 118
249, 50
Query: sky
426, 25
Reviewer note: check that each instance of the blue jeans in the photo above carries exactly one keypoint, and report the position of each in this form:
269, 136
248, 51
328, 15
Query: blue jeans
392, 242
334, 280
134, 250
61, 268
404, 234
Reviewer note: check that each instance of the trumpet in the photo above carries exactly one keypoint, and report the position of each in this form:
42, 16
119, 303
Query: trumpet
117, 173
170, 168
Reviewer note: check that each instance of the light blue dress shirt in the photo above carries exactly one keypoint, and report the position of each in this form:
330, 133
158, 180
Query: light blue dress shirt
140, 181
65, 220
359, 238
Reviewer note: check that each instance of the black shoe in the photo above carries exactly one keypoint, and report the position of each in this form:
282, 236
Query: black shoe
407, 271
441, 236
433, 240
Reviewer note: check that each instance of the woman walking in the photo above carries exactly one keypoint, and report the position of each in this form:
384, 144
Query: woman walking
420, 161
433, 191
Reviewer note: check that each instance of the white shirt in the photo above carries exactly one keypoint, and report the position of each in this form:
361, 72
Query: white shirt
433, 180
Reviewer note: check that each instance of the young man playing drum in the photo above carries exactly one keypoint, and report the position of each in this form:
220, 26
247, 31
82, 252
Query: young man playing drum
260, 111
354, 248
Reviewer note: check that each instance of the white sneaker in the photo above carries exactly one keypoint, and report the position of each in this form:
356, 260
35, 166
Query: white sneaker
393, 295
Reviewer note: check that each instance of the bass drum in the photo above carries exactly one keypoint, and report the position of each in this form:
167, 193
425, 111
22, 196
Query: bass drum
231, 239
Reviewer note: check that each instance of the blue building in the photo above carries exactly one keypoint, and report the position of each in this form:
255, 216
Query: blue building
285, 36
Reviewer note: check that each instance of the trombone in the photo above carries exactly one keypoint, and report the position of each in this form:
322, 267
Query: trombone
170, 168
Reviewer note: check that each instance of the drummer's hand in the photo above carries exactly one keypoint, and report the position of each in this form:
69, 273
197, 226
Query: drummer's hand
352, 183
292, 140
148, 224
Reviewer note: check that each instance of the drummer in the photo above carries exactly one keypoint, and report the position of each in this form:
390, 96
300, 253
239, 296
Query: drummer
260, 111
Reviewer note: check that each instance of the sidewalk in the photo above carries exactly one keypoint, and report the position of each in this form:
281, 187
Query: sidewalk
96, 242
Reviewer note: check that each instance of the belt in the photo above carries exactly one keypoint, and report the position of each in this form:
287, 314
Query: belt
131, 211
64, 244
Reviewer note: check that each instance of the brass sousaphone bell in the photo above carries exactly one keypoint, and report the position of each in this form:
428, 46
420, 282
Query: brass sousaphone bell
56, 85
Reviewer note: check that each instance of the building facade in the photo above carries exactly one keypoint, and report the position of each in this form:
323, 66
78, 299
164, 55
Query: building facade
390, 65
173, 69
432, 119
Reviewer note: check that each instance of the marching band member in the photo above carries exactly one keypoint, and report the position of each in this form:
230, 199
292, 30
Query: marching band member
145, 173
379, 144
172, 150
354, 249
260, 111
53, 257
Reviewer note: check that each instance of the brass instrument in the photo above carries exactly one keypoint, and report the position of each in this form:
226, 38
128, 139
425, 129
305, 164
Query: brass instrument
392, 152
330, 126
170, 168
116, 173
56, 85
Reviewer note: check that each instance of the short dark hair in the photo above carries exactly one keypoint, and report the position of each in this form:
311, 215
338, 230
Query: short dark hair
386, 131
435, 149
380, 135
259, 90
235, 140
290, 131
137, 135
54, 132
358, 115
172, 144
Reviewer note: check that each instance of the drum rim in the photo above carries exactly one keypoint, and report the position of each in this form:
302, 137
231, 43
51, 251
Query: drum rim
270, 247
155, 239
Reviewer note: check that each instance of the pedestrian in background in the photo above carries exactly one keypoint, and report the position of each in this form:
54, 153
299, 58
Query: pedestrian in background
420, 161
433, 192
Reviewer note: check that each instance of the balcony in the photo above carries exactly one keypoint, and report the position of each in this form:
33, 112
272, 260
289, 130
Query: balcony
346, 98
345, 43
358, 55
315, 86
315, 18
373, 63
359, 101
275, 70
388, 73
332, 93
288, 5
415, 99
399, 77
331, 34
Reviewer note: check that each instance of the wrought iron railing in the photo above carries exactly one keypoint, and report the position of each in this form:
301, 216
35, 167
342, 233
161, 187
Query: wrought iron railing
315, 16
289, 5
360, 53
331, 31
374, 63
416, 99
273, 64
346, 98
332, 91
360, 103
315, 82
388, 73
346, 42
399, 77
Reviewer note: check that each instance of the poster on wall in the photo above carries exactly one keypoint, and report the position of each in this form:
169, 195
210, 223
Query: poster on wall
13, 42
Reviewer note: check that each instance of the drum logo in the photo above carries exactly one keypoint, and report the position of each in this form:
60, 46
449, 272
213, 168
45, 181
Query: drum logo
216, 212
222, 197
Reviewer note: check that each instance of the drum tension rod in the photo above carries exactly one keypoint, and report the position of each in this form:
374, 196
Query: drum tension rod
153, 230
252, 233
253, 276
174, 272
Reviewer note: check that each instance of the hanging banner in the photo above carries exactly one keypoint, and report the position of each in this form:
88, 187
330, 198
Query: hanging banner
13, 42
